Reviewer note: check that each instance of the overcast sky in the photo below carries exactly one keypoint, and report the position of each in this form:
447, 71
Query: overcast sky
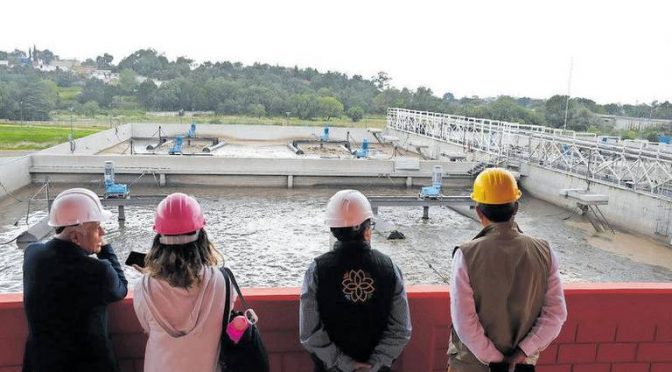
621, 51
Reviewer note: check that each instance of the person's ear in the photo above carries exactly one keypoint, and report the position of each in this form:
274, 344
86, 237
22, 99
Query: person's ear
368, 233
479, 213
515, 210
481, 217
75, 236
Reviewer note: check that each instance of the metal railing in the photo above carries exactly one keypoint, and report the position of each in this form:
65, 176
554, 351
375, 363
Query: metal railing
637, 165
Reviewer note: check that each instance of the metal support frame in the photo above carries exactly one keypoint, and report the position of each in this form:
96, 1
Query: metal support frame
641, 167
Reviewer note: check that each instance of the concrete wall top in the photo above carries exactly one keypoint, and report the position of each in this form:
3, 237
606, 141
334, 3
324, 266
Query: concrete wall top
210, 165
250, 132
94, 143
449, 167
219, 165
611, 327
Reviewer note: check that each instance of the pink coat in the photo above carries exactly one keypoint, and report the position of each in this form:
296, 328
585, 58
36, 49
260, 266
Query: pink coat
184, 325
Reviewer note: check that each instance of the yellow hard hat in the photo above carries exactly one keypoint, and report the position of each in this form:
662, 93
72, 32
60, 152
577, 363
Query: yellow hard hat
495, 186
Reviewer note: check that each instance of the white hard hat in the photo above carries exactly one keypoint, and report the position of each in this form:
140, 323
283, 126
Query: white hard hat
348, 208
77, 206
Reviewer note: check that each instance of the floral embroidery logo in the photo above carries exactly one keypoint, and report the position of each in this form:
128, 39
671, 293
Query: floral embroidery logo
357, 286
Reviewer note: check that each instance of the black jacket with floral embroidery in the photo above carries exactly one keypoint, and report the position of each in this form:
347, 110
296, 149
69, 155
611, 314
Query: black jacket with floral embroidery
354, 295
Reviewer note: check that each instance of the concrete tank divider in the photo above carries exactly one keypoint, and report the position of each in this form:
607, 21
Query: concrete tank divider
248, 132
181, 170
94, 143
15, 174
610, 327
627, 209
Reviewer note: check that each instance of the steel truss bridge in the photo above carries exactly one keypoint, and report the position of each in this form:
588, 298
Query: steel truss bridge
636, 165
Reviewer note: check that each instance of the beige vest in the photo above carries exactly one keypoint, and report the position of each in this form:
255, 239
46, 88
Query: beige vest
508, 272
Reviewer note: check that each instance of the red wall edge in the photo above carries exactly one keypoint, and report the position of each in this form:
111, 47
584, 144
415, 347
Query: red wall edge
611, 327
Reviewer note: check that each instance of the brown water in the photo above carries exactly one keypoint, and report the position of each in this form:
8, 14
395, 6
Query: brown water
270, 236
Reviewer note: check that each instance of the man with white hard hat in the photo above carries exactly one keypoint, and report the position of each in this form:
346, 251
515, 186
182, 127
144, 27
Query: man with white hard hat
66, 291
354, 311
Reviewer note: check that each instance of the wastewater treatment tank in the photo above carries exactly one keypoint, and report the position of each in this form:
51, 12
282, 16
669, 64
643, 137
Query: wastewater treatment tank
269, 236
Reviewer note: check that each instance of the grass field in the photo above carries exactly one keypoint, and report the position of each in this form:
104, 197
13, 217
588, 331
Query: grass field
36, 136
27, 137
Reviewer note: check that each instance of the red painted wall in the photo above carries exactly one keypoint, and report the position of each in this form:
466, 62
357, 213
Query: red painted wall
611, 328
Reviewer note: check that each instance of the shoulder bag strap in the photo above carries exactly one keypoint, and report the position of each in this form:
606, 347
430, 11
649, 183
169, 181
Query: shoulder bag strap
235, 285
227, 300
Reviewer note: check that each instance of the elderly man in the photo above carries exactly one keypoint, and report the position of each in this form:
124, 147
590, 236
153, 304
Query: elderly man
354, 313
506, 298
66, 290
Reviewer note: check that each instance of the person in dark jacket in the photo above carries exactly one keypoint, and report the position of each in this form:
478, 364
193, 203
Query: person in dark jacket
354, 312
66, 291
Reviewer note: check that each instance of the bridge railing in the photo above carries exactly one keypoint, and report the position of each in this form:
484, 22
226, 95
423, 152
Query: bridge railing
635, 165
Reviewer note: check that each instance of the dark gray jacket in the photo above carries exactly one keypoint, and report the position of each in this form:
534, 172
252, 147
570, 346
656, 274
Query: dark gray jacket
65, 298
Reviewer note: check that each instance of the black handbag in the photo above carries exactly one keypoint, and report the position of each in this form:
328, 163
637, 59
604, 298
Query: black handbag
249, 354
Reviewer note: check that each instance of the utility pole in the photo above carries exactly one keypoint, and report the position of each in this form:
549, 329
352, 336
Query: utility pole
569, 86
72, 132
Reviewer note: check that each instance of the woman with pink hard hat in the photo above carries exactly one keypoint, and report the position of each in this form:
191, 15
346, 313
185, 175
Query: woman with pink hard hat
180, 299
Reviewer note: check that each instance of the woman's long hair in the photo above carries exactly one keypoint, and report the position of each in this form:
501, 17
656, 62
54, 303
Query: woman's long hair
180, 265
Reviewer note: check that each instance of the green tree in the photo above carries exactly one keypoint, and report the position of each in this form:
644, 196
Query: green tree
663, 111
425, 100
167, 98
389, 98
638, 111
579, 117
230, 106
90, 109
96, 90
507, 108
448, 97
146, 91
127, 81
15, 56
47, 56
29, 99
612, 109
256, 109
329, 107
356, 113
382, 80
582, 118
145, 62
554, 110
104, 61
629, 134
305, 106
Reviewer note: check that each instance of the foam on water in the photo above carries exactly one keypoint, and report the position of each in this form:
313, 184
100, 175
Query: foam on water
270, 236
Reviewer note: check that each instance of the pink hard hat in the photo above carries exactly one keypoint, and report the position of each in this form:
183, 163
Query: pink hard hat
178, 214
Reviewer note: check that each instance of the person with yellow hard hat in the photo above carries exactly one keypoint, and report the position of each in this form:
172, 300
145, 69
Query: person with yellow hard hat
506, 297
